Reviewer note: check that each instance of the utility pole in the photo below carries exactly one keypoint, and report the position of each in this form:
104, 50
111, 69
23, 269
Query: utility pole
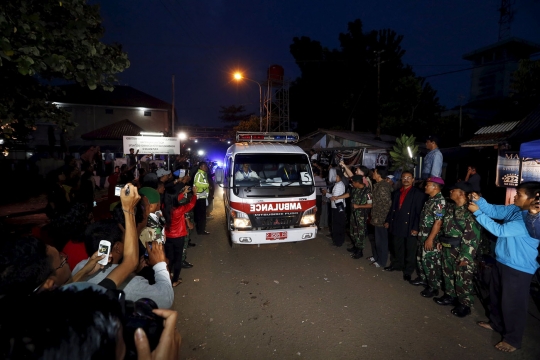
172, 113
461, 97
379, 62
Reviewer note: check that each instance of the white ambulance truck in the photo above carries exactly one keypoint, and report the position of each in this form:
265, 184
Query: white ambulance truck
269, 192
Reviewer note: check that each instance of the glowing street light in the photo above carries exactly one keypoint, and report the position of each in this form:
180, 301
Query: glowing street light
238, 76
200, 152
181, 136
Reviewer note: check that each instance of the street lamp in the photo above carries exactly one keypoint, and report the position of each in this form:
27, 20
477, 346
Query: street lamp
238, 76
200, 152
181, 136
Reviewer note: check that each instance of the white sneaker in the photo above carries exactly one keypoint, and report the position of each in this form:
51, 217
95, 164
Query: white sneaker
376, 264
371, 258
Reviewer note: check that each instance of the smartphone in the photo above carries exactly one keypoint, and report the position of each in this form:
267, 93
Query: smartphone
117, 189
104, 249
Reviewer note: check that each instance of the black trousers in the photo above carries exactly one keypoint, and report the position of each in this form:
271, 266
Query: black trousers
405, 253
509, 300
200, 215
173, 250
381, 245
318, 203
339, 220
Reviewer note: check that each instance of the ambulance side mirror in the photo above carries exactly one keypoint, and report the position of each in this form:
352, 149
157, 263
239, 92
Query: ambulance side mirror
218, 174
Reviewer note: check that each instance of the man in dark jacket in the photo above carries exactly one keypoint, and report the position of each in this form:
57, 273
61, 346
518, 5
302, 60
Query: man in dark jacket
403, 222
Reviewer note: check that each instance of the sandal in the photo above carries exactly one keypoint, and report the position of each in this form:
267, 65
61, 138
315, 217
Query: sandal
176, 283
485, 325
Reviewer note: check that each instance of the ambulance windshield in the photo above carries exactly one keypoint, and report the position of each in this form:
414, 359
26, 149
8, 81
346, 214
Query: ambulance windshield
267, 170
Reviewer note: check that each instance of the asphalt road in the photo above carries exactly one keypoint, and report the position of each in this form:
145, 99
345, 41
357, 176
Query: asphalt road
312, 301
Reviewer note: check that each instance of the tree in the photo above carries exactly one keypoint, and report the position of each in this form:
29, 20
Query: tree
337, 86
526, 81
233, 113
42, 42
403, 153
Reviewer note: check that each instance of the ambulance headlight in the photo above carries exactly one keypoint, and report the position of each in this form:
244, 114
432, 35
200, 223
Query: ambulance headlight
307, 220
240, 220
309, 216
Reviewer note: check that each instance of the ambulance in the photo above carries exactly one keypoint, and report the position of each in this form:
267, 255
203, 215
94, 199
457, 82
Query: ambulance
269, 191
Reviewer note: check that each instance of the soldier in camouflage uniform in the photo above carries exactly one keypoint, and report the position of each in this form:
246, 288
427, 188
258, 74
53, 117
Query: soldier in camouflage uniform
428, 256
361, 202
459, 239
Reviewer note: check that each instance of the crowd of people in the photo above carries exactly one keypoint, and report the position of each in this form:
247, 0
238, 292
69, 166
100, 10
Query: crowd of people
439, 243
435, 242
44, 278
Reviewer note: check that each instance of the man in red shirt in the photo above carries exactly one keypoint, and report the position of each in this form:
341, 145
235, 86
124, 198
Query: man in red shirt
403, 222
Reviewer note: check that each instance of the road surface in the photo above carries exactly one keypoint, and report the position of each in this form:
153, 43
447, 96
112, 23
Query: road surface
309, 300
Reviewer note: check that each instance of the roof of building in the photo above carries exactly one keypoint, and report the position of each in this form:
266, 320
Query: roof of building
491, 135
517, 43
361, 139
529, 127
526, 129
115, 131
122, 95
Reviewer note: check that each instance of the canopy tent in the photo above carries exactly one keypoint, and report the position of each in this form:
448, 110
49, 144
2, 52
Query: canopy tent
530, 150
529, 161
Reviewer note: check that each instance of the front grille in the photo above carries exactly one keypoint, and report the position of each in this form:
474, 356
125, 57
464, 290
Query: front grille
275, 222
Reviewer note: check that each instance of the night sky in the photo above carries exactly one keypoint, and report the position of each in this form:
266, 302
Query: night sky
204, 42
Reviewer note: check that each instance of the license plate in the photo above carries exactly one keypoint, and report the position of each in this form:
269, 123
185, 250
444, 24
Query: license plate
277, 235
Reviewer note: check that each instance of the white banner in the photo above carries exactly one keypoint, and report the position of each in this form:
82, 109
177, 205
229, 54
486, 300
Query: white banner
152, 144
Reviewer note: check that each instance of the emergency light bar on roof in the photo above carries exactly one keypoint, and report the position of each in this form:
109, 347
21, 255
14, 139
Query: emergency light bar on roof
283, 137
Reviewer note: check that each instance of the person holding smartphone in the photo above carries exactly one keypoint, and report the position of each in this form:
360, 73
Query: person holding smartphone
516, 262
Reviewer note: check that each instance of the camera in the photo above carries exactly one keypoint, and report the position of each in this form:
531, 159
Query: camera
138, 314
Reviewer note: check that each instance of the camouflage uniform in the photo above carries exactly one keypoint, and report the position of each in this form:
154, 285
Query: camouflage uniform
429, 262
459, 280
358, 222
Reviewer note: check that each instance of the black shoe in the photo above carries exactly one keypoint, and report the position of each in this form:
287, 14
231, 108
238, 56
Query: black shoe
352, 249
358, 254
429, 292
186, 265
417, 282
191, 244
461, 311
444, 300
389, 268
406, 277
204, 233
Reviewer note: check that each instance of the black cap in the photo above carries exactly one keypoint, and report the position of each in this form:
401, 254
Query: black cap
433, 138
463, 185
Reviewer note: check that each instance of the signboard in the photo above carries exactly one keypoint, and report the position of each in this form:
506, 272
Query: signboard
508, 169
152, 144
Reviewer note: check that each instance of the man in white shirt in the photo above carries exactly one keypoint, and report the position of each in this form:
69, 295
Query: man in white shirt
246, 173
339, 216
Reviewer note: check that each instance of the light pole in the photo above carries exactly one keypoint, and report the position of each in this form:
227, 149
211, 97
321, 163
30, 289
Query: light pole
181, 136
238, 77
